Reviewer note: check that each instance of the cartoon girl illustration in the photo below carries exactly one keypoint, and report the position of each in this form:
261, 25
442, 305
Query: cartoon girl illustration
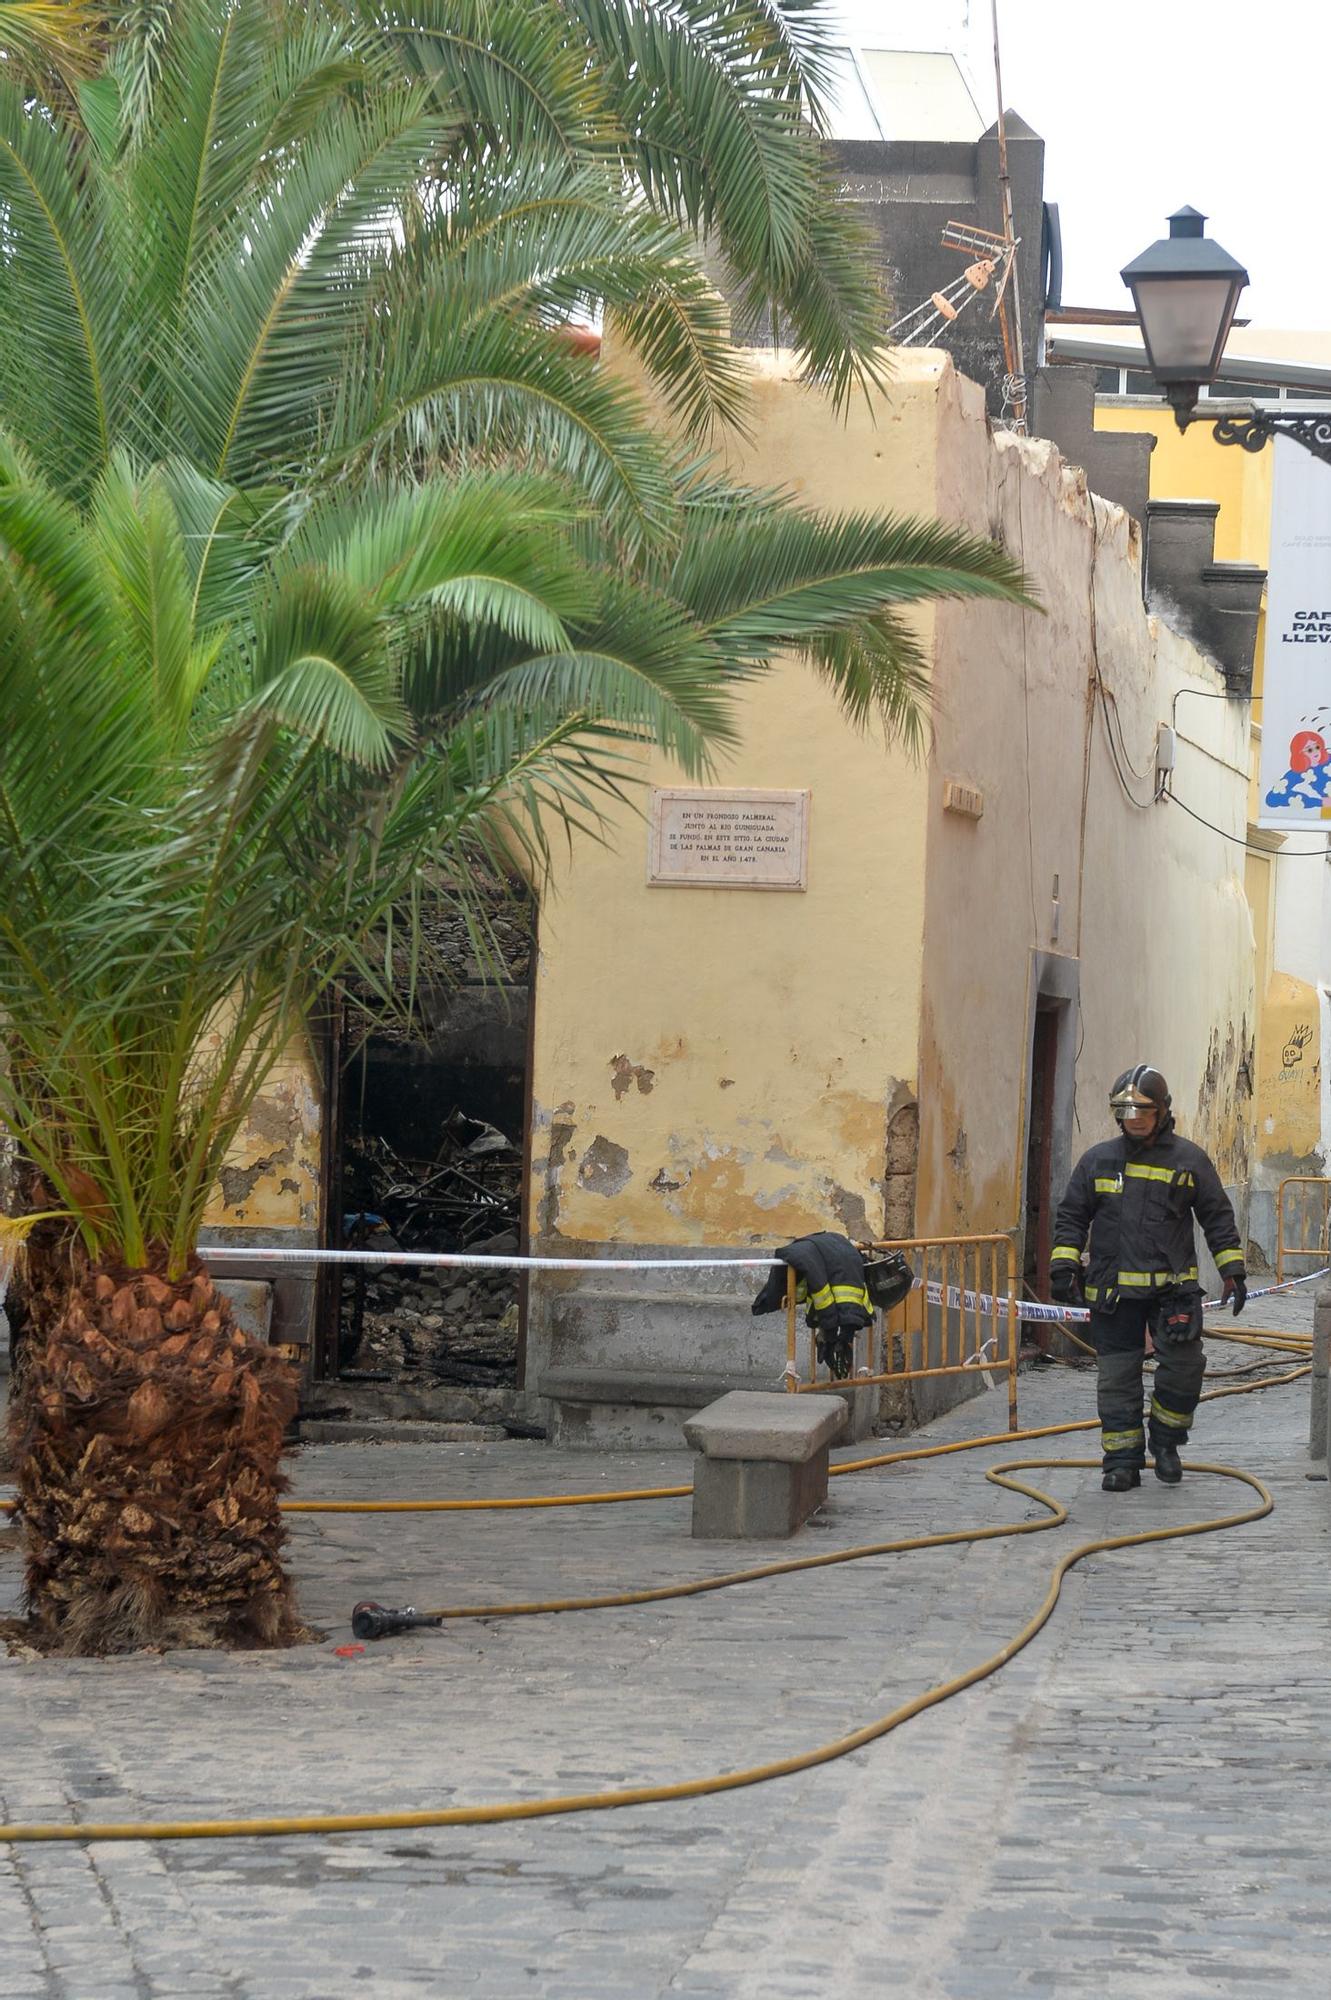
1305, 782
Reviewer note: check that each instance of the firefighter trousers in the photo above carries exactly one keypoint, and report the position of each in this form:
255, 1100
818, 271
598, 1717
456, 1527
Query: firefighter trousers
1119, 1339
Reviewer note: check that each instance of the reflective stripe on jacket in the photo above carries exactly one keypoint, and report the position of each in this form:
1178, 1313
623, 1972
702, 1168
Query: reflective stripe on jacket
830, 1273
1136, 1204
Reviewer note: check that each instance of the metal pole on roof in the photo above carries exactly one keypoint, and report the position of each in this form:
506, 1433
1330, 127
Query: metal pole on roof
1013, 346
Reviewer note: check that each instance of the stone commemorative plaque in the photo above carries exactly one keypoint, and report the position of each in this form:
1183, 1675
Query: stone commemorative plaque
713, 839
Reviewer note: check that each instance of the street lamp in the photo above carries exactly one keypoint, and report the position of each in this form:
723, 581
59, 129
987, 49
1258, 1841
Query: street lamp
1186, 289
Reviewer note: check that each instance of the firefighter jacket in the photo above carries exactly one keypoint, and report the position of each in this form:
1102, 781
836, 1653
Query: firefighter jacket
1136, 1201
830, 1272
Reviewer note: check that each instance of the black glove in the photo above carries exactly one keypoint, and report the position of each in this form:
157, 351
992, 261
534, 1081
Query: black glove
1065, 1283
1236, 1289
1178, 1318
837, 1351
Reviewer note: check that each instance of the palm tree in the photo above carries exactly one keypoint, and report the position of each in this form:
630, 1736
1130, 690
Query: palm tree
237, 749
709, 115
328, 571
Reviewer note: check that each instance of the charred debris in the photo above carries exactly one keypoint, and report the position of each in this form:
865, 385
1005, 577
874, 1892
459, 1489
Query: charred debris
428, 1152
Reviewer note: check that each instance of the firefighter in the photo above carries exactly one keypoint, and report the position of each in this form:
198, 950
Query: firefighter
1136, 1197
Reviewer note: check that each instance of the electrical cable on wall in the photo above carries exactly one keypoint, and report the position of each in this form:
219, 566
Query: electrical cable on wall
1238, 840
1098, 683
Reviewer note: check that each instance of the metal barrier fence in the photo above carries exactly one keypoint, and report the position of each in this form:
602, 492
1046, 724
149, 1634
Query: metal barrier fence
960, 1316
1308, 1214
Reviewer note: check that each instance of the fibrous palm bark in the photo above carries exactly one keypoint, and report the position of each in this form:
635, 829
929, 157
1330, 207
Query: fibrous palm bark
148, 1431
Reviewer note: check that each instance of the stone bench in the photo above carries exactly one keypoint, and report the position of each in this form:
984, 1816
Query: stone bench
762, 1462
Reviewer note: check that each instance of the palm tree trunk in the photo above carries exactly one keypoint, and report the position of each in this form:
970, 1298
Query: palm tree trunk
147, 1434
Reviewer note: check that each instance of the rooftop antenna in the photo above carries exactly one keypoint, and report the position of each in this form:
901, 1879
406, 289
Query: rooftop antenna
991, 257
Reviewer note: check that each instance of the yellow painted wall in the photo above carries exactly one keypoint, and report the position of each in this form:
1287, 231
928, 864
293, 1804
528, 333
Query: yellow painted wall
271, 1177
1289, 1074
768, 1039
1190, 465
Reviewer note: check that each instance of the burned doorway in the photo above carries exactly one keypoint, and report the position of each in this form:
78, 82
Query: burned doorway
427, 1147
1050, 1112
1040, 1192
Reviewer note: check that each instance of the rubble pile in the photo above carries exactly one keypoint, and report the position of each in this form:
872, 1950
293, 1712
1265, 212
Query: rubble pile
452, 1326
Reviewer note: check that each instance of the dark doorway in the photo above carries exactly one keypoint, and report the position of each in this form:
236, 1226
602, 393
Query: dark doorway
426, 1152
1041, 1194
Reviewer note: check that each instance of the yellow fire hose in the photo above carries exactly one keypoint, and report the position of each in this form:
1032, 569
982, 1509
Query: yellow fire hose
824, 1753
683, 1492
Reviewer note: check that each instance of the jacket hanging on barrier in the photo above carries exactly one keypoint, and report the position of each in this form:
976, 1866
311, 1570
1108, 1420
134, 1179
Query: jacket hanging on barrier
831, 1285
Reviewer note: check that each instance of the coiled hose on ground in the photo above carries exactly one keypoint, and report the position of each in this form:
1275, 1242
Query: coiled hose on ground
721, 1781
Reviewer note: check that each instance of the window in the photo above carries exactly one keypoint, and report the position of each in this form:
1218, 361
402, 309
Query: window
1227, 389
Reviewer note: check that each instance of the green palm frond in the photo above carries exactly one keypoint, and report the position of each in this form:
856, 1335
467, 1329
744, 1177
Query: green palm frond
143, 31
715, 144
138, 538
51, 38
322, 667
78, 713
268, 329
521, 85
64, 299
228, 536
560, 245
234, 109
430, 389
763, 576
753, 581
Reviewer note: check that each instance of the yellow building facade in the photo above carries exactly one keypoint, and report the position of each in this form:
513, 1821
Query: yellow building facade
716, 1069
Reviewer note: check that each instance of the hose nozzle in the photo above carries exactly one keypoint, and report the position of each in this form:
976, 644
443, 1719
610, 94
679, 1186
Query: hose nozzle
377, 1621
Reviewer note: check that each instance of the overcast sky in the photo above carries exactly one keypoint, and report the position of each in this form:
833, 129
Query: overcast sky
1147, 104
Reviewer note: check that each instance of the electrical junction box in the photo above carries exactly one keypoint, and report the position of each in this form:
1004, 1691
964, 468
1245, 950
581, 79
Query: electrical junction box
967, 801
1164, 747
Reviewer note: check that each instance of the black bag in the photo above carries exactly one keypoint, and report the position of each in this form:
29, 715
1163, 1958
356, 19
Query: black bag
887, 1279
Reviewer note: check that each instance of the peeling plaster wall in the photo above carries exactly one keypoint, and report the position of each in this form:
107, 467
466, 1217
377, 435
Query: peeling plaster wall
729, 1067
271, 1176
268, 1194
726, 1068
1150, 904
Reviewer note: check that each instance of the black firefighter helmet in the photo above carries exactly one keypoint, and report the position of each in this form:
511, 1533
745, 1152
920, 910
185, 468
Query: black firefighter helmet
1141, 1088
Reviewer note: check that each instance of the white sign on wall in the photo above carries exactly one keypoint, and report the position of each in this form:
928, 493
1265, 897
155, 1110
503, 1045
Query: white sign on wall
741, 839
1295, 772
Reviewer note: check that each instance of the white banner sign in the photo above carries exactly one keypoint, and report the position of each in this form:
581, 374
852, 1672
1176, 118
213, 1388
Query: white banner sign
1296, 684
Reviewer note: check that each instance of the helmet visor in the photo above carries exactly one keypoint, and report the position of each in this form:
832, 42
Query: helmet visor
1132, 1103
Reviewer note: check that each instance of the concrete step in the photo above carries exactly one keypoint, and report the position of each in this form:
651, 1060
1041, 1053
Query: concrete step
389, 1430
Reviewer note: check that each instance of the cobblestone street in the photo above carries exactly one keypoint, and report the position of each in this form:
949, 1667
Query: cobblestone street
1135, 1806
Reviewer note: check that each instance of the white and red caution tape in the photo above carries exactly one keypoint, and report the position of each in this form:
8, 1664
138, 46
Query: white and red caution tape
454, 1259
980, 1302
1036, 1309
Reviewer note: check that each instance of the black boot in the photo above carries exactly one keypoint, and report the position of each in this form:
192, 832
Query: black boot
1167, 1468
1121, 1478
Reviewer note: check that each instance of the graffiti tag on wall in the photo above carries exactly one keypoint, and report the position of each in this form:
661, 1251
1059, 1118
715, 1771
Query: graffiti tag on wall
1292, 1053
